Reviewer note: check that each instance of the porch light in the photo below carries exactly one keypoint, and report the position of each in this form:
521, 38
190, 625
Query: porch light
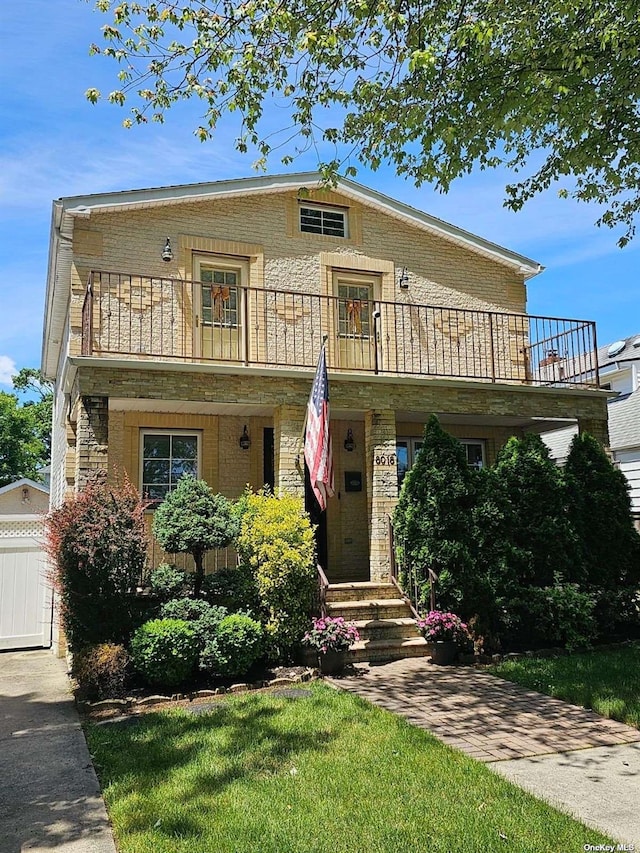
403, 279
167, 254
349, 442
245, 441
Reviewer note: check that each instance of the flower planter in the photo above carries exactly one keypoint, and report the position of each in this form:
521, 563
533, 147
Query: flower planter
331, 663
444, 652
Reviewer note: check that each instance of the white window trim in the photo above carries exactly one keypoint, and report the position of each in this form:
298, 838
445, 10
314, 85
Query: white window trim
324, 208
411, 442
477, 441
188, 432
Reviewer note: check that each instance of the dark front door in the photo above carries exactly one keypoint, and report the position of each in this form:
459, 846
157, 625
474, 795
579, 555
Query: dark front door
318, 519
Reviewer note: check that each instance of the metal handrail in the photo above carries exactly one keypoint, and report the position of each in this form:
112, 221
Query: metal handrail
323, 586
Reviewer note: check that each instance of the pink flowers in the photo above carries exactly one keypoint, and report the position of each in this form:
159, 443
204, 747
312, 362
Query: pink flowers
329, 634
443, 626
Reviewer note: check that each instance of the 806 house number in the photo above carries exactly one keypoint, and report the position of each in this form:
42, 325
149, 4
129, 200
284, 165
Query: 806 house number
385, 459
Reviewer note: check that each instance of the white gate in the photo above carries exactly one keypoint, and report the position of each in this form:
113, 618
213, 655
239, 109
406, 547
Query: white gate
25, 596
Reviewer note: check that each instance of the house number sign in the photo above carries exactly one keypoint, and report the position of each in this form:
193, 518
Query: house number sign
385, 459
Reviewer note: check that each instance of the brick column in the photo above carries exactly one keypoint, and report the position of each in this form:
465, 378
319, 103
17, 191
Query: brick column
92, 438
597, 428
288, 449
382, 486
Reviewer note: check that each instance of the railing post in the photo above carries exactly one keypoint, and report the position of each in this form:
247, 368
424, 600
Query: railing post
376, 319
245, 325
595, 355
492, 349
87, 319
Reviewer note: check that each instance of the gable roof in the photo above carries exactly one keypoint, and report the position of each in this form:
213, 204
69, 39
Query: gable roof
630, 351
66, 209
25, 481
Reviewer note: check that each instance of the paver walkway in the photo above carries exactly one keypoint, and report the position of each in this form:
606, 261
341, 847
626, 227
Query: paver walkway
486, 717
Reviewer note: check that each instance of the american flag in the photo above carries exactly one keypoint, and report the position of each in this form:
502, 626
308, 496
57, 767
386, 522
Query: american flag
317, 442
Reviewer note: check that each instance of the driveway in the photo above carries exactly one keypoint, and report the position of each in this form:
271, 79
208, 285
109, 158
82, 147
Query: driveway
49, 794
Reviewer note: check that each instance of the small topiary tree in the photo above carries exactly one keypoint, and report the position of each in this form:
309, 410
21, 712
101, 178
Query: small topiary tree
432, 520
97, 542
168, 582
276, 540
194, 520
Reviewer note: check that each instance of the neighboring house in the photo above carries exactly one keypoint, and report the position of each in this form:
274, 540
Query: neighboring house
25, 594
183, 325
619, 371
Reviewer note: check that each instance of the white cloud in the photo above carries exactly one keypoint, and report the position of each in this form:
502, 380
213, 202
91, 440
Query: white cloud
7, 370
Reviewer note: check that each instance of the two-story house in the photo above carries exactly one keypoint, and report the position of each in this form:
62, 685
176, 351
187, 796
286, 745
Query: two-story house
183, 325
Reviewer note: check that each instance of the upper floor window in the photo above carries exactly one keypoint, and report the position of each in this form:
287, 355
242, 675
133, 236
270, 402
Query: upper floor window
219, 297
331, 221
165, 458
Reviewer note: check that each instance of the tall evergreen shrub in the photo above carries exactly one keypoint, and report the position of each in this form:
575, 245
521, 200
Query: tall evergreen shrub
433, 518
599, 508
542, 543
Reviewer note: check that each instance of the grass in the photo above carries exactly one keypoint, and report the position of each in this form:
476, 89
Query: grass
606, 681
326, 773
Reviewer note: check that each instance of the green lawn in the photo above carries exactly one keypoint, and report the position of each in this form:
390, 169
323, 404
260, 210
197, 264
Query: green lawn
607, 681
326, 773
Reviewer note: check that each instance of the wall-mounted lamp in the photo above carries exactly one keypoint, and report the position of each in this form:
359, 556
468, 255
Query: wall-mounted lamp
349, 442
245, 441
403, 279
167, 254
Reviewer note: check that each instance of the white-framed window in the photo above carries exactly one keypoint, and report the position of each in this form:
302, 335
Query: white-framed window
165, 457
332, 221
407, 449
219, 296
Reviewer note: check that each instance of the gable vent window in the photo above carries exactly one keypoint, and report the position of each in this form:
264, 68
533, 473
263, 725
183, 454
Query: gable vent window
323, 220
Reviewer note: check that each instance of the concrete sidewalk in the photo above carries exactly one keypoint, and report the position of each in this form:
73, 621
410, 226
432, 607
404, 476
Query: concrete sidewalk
573, 758
50, 798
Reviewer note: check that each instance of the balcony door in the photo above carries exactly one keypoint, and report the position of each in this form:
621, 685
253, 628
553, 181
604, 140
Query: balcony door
219, 307
354, 322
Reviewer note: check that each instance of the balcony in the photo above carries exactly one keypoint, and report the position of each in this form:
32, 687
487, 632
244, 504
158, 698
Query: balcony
146, 317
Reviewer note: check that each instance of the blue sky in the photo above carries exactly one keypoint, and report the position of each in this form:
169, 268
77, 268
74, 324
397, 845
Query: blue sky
54, 143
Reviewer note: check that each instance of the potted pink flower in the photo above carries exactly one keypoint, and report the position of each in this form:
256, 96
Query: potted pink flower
447, 632
330, 637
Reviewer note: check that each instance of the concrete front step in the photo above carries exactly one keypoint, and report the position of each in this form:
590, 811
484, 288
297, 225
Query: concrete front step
367, 610
381, 629
387, 650
357, 591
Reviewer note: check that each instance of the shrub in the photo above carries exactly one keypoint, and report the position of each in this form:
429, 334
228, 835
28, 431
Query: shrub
194, 520
97, 543
432, 517
235, 647
560, 615
276, 540
203, 616
169, 582
101, 671
233, 587
599, 508
165, 651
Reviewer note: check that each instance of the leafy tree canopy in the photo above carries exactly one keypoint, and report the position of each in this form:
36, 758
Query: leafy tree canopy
433, 88
29, 380
21, 448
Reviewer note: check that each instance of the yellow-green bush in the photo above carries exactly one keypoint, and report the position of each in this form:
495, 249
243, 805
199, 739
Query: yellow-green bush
276, 540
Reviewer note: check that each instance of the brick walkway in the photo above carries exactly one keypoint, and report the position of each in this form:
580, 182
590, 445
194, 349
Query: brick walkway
486, 717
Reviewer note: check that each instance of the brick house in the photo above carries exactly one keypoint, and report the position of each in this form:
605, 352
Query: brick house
183, 325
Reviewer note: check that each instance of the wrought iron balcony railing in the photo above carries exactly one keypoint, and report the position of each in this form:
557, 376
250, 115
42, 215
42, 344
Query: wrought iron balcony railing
168, 319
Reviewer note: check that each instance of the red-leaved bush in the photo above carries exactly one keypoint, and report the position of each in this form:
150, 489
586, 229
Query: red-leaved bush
97, 542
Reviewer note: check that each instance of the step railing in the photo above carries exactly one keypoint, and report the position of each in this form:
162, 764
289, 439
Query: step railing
411, 600
323, 587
